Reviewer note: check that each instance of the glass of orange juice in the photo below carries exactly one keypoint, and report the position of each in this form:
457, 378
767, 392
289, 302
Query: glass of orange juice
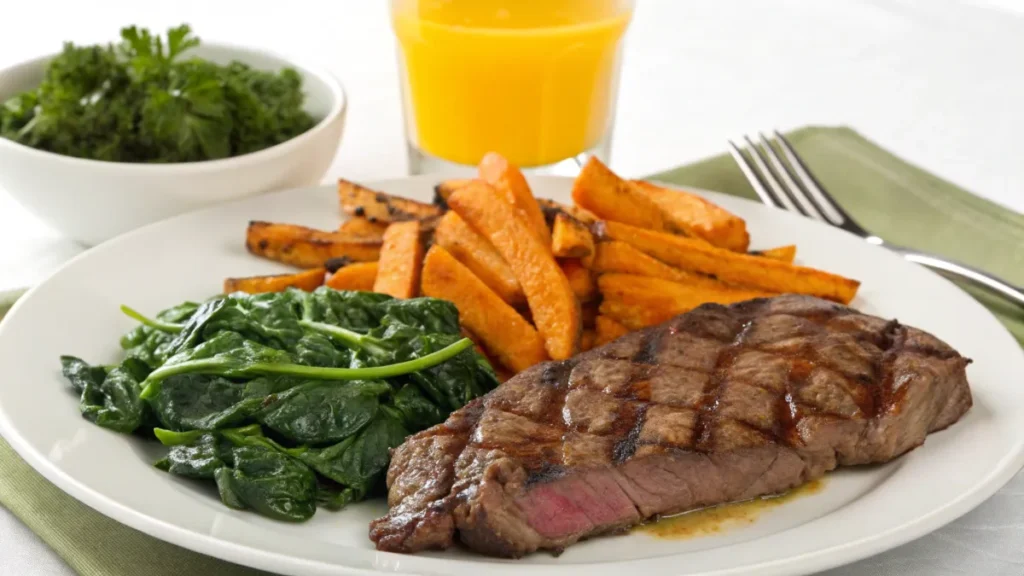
533, 80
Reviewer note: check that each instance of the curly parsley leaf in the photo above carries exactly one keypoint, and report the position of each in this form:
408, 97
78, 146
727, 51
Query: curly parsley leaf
144, 100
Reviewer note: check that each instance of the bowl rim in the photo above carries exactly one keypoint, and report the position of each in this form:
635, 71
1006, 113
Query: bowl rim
339, 105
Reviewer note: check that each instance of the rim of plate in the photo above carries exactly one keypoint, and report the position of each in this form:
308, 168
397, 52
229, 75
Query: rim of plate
246, 555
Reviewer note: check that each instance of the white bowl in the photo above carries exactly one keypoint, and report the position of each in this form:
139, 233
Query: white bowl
91, 200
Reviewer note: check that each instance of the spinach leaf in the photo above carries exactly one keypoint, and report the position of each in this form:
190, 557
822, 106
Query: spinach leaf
359, 311
111, 402
367, 458
264, 386
271, 319
180, 313
225, 353
191, 334
425, 314
200, 458
250, 474
335, 497
268, 482
418, 412
122, 409
316, 349
451, 384
84, 378
203, 402
147, 344
361, 460
322, 412
151, 344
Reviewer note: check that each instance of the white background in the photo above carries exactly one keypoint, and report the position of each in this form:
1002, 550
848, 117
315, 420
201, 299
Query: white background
938, 82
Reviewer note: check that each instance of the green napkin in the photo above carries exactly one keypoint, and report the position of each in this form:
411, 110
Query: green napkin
898, 202
892, 198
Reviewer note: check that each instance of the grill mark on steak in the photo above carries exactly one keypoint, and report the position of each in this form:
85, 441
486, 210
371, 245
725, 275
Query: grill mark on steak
639, 389
716, 405
791, 413
545, 473
891, 346
625, 449
707, 409
648, 352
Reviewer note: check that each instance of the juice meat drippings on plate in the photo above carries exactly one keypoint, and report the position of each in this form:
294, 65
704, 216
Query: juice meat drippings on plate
534, 81
716, 519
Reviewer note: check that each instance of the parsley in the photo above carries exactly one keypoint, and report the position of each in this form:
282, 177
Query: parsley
143, 100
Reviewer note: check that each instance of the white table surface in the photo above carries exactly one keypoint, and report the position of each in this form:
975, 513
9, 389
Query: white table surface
938, 82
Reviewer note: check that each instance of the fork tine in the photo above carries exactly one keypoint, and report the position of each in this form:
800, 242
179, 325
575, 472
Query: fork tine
753, 177
816, 192
780, 192
806, 202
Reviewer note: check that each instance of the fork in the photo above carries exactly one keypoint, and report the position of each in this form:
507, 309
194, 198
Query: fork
789, 185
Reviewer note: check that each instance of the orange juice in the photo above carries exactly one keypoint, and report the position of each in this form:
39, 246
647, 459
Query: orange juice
533, 80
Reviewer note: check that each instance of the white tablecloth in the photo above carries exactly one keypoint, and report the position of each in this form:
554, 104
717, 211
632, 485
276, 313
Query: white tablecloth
936, 81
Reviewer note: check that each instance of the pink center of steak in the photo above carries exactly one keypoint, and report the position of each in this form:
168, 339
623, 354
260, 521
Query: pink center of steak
577, 505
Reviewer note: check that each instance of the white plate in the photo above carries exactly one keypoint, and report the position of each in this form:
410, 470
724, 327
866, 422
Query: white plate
861, 511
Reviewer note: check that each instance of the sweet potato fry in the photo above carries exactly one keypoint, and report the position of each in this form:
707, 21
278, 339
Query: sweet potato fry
601, 191
570, 238
503, 332
582, 282
784, 253
377, 206
732, 267
606, 329
307, 280
615, 256
306, 247
555, 309
363, 228
445, 188
696, 216
398, 272
500, 370
635, 315
357, 276
638, 301
476, 253
509, 181
552, 209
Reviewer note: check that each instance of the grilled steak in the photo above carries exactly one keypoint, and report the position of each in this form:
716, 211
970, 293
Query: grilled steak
717, 405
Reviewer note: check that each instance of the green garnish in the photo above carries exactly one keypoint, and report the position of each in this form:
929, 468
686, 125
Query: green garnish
145, 101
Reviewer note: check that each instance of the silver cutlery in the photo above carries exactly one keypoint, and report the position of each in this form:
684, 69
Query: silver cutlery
789, 185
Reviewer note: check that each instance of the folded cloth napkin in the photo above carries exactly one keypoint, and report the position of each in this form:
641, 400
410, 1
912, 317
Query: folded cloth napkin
895, 200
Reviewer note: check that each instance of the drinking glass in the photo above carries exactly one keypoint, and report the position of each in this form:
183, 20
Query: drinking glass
533, 80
